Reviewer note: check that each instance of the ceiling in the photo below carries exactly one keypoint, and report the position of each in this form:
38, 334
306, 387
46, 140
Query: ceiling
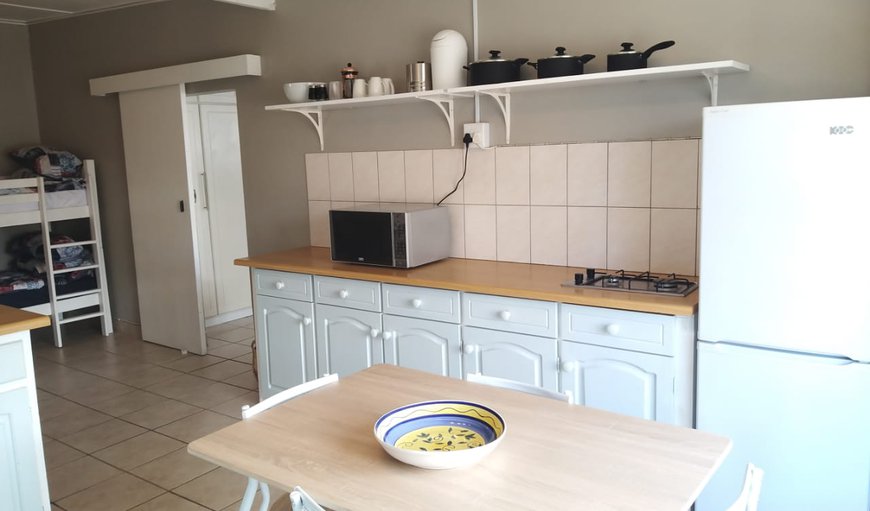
23, 12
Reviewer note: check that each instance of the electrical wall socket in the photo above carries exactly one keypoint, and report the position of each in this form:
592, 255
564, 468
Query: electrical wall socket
479, 132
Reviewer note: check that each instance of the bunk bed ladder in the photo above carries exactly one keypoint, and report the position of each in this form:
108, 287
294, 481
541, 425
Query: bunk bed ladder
97, 239
49, 263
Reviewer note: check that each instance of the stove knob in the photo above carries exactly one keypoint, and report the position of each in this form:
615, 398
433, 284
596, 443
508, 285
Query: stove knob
578, 279
590, 274
612, 329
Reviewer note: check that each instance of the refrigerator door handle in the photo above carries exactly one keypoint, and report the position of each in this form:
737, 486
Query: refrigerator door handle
817, 358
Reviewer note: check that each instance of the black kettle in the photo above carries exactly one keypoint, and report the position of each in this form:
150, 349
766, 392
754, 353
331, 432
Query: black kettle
629, 58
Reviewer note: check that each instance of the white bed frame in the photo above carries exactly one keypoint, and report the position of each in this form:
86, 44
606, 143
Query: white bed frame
58, 306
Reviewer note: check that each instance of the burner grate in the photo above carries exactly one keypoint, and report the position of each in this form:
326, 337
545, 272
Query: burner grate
667, 285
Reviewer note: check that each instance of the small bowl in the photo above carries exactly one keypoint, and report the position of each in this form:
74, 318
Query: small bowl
297, 92
440, 434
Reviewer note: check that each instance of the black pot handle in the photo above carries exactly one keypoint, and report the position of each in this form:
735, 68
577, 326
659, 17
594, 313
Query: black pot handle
585, 58
533, 64
656, 47
520, 62
466, 67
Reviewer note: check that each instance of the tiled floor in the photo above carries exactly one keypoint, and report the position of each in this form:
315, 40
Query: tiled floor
117, 414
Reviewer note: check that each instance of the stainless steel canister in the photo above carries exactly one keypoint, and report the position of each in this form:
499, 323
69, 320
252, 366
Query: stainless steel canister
419, 76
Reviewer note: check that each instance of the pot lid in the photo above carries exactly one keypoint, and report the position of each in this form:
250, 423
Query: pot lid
560, 54
627, 49
494, 56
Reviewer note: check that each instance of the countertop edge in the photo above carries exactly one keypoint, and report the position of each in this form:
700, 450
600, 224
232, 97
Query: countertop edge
16, 320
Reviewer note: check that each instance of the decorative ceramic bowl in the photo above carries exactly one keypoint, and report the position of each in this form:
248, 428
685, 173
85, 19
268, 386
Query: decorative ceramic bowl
440, 434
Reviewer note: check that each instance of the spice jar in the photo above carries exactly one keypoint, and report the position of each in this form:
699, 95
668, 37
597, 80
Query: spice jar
347, 76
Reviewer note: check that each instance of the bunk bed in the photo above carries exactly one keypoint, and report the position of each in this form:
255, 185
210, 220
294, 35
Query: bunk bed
79, 299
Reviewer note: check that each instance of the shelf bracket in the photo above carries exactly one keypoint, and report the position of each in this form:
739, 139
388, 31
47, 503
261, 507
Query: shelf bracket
315, 115
503, 99
713, 82
445, 104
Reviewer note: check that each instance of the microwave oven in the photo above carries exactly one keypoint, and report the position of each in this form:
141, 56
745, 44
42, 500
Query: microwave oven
394, 235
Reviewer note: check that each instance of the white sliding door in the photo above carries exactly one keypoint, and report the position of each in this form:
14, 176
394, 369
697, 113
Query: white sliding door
158, 184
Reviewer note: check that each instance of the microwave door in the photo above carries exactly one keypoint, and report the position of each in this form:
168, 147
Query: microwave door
362, 237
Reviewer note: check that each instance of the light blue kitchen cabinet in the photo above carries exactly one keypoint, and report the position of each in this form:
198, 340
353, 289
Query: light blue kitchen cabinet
422, 344
520, 357
348, 340
23, 482
621, 381
285, 343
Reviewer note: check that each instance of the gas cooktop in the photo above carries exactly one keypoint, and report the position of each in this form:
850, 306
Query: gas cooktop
667, 285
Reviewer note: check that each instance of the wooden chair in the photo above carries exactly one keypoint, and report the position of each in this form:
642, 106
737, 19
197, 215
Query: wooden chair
748, 498
250, 411
515, 385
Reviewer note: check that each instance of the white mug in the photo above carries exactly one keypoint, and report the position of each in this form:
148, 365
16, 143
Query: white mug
359, 88
297, 92
376, 86
335, 90
389, 88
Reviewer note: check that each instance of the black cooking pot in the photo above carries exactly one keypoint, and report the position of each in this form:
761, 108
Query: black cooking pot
561, 64
629, 58
494, 69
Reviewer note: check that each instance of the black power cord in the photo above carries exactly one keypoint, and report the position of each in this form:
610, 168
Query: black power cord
467, 139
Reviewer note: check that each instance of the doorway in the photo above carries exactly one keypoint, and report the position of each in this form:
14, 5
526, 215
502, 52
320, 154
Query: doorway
215, 166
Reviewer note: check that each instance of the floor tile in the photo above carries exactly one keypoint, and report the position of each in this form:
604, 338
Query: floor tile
58, 453
215, 343
152, 417
189, 363
213, 395
170, 502
245, 380
73, 422
222, 370
231, 351
128, 403
216, 490
102, 435
138, 450
235, 335
77, 475
233, 407
147, 376
173, 469
52, 406
180, 385
196, 426
116, 494
99, 390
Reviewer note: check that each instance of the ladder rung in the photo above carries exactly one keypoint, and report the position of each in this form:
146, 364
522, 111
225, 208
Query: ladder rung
77, 268
80, 318
74, 244
80, 293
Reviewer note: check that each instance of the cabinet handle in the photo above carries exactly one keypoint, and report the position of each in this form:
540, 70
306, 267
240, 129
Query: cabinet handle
279, 285
505, 315
612, 329
569, 367
343, 294
469, 349
416, 303
388, 335
306, 321
374, 332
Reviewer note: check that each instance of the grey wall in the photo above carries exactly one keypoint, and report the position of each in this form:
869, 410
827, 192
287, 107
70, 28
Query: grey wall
797, 50
18, 119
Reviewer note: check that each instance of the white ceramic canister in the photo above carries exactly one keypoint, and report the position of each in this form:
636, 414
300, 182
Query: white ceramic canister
448, 52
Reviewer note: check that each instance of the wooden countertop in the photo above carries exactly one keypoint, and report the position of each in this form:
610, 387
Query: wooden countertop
16, 320
534, 281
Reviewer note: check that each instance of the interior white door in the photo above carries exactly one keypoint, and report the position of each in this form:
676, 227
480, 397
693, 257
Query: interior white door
158, 185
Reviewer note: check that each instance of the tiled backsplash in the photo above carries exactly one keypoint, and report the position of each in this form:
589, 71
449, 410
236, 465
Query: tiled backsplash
617, 205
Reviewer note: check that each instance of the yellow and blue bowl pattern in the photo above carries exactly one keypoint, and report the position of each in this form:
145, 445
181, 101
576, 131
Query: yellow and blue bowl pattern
440, 434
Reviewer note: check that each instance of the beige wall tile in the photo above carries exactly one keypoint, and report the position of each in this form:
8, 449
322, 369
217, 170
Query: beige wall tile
446, 171
628, 174
587, 237
549, 225
512, 175
548, 171
628, 239
418, 177
317, 175
480, 232
674, 174
480, 178
672, 241
340, 177
587, 174
391, 176
365, 177
513, 241
457, 230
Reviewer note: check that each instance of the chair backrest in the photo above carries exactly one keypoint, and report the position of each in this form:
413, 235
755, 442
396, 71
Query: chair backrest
749, 495
515, 385
301, 501
284, 395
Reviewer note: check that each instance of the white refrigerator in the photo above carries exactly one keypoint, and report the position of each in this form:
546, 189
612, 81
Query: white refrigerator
783, 363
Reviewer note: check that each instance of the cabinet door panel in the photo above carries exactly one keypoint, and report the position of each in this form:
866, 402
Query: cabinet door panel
637, 384
519, 357
429, 346
285, 345
19, 466
348, 340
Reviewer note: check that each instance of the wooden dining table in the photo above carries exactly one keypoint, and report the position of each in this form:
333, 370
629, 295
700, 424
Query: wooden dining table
554, 455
